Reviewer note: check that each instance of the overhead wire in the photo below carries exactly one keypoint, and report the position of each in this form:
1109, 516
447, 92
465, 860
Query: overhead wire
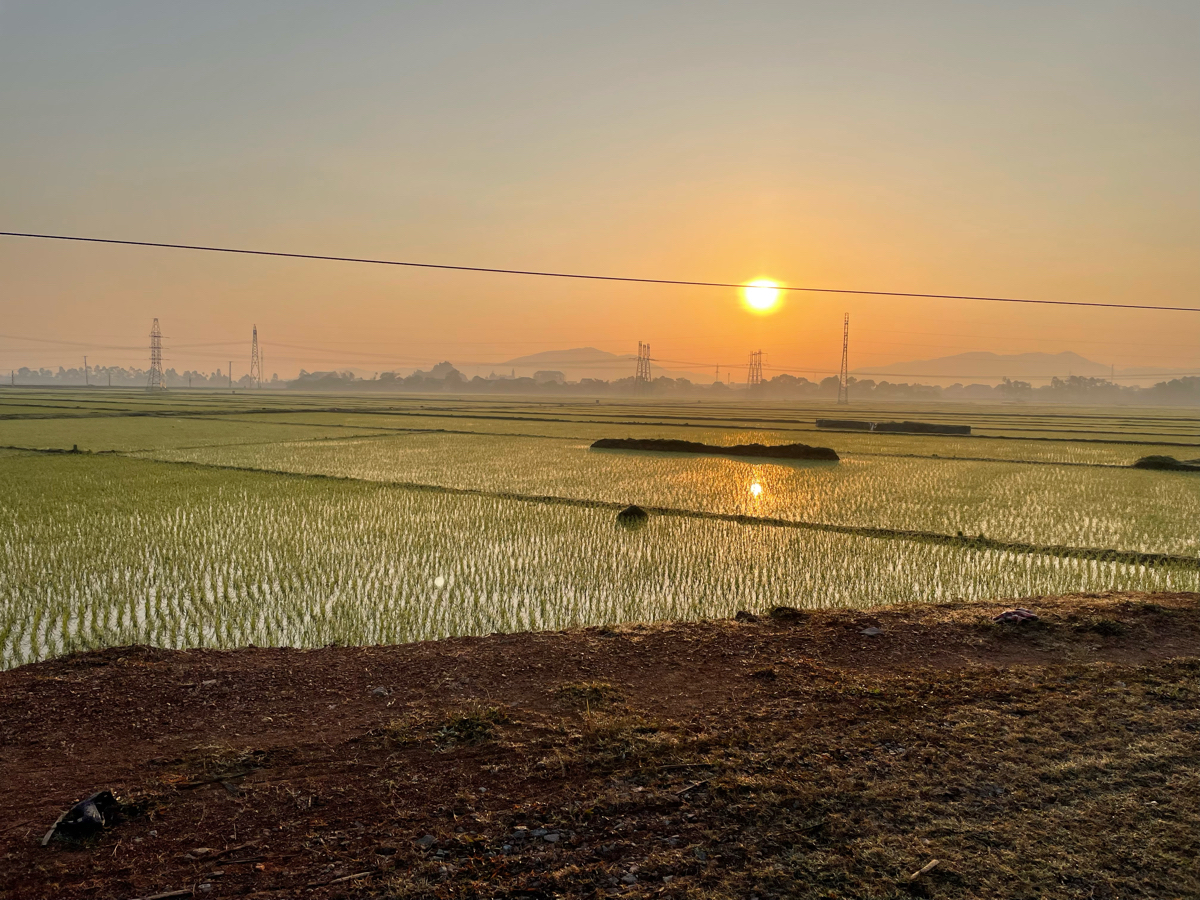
579, 275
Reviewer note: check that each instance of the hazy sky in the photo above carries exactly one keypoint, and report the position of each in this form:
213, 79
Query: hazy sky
1029, 149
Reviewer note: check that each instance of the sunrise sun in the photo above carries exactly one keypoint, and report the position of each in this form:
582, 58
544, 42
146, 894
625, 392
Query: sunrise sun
761, 296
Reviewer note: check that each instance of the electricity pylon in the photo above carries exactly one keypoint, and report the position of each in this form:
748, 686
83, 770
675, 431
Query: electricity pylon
754, 379
255, 361
643, 364
844, 377
155, 381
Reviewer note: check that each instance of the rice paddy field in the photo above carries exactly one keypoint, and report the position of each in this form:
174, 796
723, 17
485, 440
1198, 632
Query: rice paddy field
209, 519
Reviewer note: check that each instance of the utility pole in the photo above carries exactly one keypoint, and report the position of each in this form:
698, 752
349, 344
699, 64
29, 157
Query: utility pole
86, 383
844, 378
231, 374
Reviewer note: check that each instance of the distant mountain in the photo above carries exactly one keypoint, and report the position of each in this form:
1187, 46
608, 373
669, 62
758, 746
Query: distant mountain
989, 368
589, 362
580, 356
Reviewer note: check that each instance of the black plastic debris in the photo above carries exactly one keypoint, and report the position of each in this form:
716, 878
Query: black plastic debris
86, 817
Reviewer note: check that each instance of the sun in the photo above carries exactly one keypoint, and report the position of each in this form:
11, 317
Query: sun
761, 296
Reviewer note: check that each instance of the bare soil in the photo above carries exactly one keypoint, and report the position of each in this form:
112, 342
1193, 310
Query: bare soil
771, 758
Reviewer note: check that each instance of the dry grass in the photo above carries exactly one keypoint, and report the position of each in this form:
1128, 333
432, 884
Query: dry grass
590, 694
471, 723
1072, 781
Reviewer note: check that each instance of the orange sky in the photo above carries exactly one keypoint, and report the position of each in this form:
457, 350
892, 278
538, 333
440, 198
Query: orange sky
1033, 150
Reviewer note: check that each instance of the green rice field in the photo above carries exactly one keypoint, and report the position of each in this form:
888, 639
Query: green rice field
275, 518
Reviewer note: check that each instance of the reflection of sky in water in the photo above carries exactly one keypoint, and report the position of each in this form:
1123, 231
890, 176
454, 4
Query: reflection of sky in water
1040, 504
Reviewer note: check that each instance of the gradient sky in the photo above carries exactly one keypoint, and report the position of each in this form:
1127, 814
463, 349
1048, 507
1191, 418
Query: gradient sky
1034, 149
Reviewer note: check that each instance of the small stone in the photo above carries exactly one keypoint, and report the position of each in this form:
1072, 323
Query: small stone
381, 692
540, 832
1018, 616
551, 838
872, 631
629, 879
633, 517
426, 842
205, 888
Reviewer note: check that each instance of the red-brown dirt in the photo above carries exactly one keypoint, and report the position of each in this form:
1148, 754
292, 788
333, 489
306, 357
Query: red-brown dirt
768, 758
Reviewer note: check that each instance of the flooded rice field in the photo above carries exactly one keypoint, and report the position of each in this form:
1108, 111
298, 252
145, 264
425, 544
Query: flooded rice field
221, 521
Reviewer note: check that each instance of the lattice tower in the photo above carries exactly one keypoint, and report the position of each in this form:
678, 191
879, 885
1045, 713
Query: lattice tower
155, 382
844, 376
643, 364
755, 377
255, 361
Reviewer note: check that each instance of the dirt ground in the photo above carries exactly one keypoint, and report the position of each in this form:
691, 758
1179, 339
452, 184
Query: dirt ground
775, 757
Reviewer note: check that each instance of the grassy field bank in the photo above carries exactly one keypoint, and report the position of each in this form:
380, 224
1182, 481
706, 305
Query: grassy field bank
791, 757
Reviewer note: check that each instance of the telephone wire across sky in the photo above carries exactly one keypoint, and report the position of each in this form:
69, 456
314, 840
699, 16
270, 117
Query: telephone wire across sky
581, 276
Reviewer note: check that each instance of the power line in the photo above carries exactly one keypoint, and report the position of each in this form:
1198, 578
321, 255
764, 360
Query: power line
872, 374
583, 277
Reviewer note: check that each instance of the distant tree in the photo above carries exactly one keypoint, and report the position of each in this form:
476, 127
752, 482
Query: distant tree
1015, 390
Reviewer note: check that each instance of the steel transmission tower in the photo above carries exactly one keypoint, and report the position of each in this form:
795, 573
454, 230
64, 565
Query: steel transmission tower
255, 361
155, 382
844, 377
643, 364
754, 379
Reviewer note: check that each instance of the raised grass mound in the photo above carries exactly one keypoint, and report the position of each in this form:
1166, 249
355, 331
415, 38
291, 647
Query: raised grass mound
1167, 463
778, 451
893, 427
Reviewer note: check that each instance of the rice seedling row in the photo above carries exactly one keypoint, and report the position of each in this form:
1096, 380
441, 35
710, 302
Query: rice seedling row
1122, 509
98, 551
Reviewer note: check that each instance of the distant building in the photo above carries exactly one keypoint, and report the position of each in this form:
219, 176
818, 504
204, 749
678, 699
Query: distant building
548, 376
